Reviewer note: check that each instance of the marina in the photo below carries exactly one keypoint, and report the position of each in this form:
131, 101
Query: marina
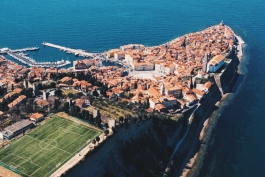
31, 62
23, 58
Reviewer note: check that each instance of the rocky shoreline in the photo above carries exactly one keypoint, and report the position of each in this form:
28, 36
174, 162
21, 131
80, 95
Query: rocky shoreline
195, 162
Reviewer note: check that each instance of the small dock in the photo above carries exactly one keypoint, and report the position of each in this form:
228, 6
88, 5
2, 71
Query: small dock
77, 52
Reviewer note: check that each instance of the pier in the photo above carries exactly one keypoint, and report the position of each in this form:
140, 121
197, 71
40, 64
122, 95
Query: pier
6, 50
77, 52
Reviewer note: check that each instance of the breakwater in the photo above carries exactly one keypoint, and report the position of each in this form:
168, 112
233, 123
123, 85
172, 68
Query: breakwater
77, 52
7, 50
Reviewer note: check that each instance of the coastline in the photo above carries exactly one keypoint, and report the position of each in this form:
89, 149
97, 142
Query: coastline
210, 122
205, 132
77, 158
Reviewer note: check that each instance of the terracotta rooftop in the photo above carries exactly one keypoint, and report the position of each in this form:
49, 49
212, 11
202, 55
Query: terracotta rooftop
36, 116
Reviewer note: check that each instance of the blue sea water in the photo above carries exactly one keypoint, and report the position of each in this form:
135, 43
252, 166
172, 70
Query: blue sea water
239, 143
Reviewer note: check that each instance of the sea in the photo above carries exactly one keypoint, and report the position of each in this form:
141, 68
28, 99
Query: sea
238, 148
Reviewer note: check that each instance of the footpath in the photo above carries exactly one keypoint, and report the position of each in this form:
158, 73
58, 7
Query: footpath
77, 158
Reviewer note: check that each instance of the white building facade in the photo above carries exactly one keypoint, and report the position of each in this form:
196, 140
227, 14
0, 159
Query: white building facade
215, 63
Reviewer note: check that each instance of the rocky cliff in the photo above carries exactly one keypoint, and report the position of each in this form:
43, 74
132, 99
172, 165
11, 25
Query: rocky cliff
226, 79
222, 84
191, 144
138, 149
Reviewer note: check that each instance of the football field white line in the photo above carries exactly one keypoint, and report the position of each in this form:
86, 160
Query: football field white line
50, 145
19, 167
68, 131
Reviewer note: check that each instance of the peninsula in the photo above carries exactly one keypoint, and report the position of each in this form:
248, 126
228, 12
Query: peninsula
154, 97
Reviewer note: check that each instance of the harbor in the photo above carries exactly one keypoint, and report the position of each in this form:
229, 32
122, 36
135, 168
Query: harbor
83, 53
23, 58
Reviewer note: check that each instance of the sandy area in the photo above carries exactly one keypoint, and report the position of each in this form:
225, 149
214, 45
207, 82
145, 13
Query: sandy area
7, 173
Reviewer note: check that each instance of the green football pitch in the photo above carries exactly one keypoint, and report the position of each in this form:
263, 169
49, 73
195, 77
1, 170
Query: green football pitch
47, 147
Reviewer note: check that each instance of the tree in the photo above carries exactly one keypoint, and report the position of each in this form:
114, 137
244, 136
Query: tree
29, 107
52, 85
106, 132
99, 122
84, 114
56, 104
13, 110
91, 99
17, 80
121, 119
147, 104
22, 108
90, 118
95, 93
74, 111
58, 93
2, 91
97, 138
126, 120
4, 104
106, 125
70, 95
40, 86
66, 107
28, 92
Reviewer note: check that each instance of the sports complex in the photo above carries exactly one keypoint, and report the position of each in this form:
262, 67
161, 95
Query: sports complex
48, 146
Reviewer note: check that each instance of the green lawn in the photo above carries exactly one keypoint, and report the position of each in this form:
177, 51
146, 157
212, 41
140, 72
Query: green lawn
47, 147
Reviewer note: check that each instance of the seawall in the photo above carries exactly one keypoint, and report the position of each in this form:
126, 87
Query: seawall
226, 79
199, 137
192, 142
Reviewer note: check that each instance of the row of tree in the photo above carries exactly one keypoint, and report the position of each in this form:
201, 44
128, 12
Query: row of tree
83, 114
3, 91
6, 101
46, 86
